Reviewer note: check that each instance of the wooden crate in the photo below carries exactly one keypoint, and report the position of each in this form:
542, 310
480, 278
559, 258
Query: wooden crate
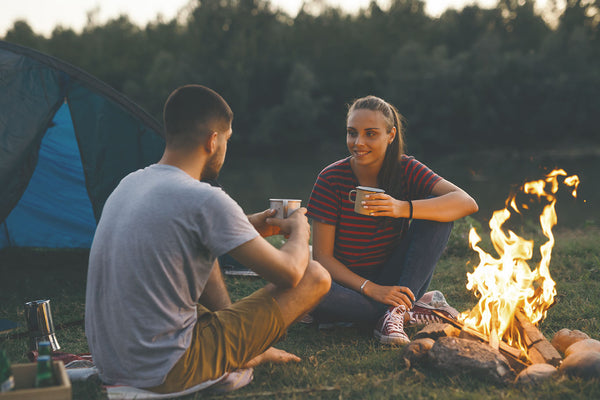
25, 379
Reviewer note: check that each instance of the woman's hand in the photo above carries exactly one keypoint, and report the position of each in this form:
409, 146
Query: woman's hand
390, 295
384, 205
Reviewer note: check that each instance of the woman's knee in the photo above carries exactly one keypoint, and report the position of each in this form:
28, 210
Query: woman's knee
431, 225
431, 230
318, 277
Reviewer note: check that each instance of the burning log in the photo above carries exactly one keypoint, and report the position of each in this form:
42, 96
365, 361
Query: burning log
512, 354
437, 330
457, 355
538, 348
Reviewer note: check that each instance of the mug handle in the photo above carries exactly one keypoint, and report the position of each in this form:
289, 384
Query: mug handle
350, 195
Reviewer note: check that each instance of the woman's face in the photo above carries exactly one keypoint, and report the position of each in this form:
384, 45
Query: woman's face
367, 137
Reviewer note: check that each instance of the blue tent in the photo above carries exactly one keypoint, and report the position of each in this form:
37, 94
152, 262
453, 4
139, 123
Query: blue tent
66, 140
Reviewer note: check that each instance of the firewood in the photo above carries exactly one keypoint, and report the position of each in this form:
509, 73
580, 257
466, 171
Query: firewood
532, 334
513, 354
538, 347
455, 356
503, 347
437, 330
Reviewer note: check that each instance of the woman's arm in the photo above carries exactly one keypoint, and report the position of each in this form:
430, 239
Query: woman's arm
323, 244
449, 204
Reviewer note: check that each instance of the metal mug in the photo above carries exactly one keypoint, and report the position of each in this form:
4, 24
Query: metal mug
284, 207
40, 324
361, 192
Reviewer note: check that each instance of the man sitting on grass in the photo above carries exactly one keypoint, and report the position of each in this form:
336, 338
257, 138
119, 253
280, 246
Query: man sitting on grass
158, 315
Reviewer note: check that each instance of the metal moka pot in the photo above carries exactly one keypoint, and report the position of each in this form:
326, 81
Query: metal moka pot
40, 324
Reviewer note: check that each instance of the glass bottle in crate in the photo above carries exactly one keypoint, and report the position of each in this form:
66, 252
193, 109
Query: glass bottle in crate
44, 376
44, 349
7, 380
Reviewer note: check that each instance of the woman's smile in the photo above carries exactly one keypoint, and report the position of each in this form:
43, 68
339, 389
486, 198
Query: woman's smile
367, 136
360, 153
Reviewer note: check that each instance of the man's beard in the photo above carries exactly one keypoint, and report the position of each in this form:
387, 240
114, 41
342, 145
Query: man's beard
212, 168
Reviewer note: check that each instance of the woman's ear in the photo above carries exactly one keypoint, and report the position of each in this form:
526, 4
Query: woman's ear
392, 135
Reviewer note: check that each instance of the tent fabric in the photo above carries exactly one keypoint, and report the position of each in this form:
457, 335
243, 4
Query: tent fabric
66, 140
55, 210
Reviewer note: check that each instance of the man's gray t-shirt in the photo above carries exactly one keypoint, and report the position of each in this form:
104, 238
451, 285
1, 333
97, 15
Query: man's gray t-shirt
153, 251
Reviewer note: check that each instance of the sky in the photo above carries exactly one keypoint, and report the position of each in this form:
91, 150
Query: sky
44, 15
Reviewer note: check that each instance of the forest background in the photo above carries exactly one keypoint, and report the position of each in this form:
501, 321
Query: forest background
494, 86
492, 97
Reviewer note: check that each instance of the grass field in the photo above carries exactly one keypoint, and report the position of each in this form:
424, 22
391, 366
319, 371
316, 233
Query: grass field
344, 363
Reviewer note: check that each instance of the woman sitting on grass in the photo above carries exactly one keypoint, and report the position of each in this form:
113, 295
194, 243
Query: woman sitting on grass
380, 263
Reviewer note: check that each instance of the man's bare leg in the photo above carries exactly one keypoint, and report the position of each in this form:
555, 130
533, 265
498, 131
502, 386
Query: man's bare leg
216, 297
273, 355
294, 303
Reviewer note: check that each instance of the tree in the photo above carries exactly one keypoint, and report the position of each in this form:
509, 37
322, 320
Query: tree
21, 33
296, 120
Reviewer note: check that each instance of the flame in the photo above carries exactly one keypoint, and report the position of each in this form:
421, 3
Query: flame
507, 283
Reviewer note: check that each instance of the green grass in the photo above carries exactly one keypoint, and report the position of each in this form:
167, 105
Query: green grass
340, 363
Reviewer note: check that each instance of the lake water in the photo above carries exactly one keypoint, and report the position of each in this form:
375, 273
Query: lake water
487, 176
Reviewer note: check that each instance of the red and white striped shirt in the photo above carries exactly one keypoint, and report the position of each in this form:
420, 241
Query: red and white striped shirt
363, 242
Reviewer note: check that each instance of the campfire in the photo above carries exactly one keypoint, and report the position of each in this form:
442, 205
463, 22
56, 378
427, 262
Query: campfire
514, 292
513, 297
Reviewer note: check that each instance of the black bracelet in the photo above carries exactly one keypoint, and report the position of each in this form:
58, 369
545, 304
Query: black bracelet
411, 209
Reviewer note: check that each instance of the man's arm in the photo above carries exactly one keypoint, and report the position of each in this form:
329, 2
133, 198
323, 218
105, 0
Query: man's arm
215, 296
283, 267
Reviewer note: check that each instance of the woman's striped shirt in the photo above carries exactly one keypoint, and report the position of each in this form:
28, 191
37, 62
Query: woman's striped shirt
363, 242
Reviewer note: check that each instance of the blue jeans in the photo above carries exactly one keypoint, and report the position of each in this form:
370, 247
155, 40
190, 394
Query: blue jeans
411, 265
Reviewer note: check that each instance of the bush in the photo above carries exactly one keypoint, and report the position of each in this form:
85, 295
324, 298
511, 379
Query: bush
458, 243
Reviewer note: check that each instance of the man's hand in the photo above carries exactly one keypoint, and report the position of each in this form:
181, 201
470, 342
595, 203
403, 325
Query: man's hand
259, 221
274, 355
297, 223
284, 267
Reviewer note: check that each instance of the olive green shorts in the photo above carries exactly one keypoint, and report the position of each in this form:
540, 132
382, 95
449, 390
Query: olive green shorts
226, 340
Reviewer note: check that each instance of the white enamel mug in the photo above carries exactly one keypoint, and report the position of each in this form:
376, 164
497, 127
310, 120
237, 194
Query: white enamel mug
361, 192
284, 207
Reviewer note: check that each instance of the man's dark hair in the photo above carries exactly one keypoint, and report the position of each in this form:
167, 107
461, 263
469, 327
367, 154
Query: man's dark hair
193, 111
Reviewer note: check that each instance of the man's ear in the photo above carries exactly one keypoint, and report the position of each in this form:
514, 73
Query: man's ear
211, 142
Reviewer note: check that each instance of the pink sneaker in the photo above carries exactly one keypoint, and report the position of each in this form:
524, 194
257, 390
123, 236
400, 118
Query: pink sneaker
390, 328
422, 311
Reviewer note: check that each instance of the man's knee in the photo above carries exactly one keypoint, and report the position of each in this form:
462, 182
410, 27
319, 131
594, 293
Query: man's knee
319, 277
